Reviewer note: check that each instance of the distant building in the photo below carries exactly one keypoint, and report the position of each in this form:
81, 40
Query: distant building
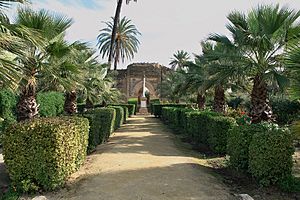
130, 80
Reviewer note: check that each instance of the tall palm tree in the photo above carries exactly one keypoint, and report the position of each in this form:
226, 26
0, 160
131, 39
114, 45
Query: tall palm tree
260, 37
114, 29
179, 59
126, 43
50, 27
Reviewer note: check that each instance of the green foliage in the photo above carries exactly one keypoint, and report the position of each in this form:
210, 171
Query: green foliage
51, 103
134, 101
198, 126
131, 109
285, 110
42, 153
296, 130
101, 125
8, 101
218, 128
238, 142
152, 102
119, 116
270, 154
157, 108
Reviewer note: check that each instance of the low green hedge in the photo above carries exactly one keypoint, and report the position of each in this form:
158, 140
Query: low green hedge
134, 101
51, 103
270, 155
198, 126
218, 129
42, 153
239, 139
119, 116
157, 108
102, 122
131, 109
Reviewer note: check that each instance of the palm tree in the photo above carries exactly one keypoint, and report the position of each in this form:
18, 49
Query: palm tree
292, 60
126, 42
50, 27
260, 37
179, 59
11, 45
114, 29
221, 72
7, 3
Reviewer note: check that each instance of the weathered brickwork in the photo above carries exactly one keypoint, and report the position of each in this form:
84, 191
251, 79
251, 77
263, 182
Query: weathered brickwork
130, 80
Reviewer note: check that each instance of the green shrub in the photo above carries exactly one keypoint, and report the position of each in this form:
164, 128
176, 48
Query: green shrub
157, 108
218, 128
119, 116
131, 109
152, 102
270, 155
8, 102
51, 103
134, 101
101, 125
238, 142
285, 110
198, 126
42, 153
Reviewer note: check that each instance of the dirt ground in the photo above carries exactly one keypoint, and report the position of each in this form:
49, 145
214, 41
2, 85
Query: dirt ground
142, 162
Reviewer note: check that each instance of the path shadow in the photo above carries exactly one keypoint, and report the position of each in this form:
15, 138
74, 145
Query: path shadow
187, 181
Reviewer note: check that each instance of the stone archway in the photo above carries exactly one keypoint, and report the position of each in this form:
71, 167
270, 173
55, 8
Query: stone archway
139, 86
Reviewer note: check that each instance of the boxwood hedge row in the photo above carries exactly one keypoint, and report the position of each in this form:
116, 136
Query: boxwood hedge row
263, 150
42, 153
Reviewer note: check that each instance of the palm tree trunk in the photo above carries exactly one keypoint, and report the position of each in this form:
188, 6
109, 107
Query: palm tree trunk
70, 106
27, 107
201, 101
219, 99
260, 109
117, 56
114, 31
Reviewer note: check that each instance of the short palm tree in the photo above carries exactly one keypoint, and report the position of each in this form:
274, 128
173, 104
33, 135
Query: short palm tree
179, 59
260, 38
126, 43
33, 63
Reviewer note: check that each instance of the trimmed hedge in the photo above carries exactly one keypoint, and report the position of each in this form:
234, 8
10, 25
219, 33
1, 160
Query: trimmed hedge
119, 116
198, 126
270, 155
131, 109
157, 108
218, 128
134, 101
51, 103
239, 139
101, 125
42, 153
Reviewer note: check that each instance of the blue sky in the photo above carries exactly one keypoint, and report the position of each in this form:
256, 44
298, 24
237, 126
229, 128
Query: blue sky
166, 25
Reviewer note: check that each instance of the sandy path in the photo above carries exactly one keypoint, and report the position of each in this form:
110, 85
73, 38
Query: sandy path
141, 162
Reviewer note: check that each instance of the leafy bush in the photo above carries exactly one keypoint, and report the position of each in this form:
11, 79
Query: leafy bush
296, 130
119, 116
8, 102
51, 103
42, 153
101, 125
270, 154
198, 125
218, 128
285, 110
238, 142
135, 102
131, 109
157, 108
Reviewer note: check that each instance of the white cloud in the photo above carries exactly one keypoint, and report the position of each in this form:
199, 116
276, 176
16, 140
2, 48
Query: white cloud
166, 25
